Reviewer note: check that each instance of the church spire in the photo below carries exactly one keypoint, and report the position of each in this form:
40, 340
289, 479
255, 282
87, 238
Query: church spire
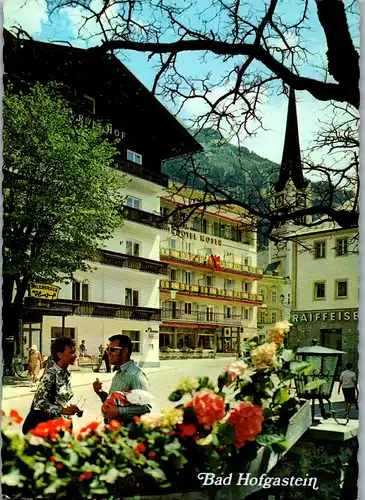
291, 163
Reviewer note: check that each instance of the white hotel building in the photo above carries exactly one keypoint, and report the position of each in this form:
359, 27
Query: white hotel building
209, 300
121, 294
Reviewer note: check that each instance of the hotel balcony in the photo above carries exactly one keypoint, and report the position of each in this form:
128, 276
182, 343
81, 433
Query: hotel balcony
145, 218
210, 292
202, 317
101, 310
140, 171
133, 262
202, 261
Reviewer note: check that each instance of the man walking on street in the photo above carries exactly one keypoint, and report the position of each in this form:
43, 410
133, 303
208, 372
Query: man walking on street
82, 348
128, 377
350, 391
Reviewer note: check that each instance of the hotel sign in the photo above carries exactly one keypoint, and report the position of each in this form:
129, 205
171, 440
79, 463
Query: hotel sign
108, 127
41, 291
325, 316
191, 235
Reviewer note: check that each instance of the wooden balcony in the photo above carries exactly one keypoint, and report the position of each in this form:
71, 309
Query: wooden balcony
208, 291
140, 171
145, 218
133, 262
101, 310
204, 262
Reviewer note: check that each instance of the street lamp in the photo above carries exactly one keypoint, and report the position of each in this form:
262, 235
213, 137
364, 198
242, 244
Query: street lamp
325, 364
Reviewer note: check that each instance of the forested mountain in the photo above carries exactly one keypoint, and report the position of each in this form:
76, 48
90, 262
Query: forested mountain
240, 172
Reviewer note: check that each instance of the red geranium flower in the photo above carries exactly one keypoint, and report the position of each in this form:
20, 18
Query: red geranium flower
59, 466
151, 454
16, 418
51, 428
91, 427
140, 448
208, 407
85, 475
53, 458
247, 420
187, 430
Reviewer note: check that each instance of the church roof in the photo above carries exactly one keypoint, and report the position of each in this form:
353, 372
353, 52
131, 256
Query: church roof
291, 163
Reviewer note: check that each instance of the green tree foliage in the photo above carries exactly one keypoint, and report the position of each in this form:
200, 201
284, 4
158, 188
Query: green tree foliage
61, 198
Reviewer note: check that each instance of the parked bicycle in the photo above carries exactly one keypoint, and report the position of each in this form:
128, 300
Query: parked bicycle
20, 366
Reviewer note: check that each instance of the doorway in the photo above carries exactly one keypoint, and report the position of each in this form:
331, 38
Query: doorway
32, 334
332, 338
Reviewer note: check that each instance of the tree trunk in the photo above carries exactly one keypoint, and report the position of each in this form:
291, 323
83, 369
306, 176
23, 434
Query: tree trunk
11, 315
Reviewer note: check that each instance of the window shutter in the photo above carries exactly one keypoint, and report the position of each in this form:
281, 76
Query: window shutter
135, 297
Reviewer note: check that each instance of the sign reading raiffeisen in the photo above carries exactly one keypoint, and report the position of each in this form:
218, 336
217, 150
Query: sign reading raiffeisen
42, 291
343, 315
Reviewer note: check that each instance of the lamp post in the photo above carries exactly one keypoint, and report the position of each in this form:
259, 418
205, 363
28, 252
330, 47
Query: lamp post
325, 364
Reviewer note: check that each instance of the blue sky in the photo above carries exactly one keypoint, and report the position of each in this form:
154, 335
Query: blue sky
34, 18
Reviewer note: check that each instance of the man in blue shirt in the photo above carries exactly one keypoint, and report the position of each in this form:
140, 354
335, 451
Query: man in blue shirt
128, 376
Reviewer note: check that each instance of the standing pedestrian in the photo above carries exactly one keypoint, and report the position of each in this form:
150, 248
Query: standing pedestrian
82, 349
128, 377
348, 382
35, 362
51, 400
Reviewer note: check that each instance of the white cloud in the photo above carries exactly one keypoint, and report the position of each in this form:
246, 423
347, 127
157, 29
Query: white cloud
90, 32
28, 14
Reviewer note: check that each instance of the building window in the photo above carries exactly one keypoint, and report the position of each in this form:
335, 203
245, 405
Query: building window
187, 277
274, 316
245, 313
80, 291
228, 312
135, 338
188, 247
341, 246
187, 307
89, 104
134, 202
197, 224
246, 287
261, 317
164, 211
173, 274
172, 244
56, 332
228, 284
273, 296
288, 298
320, 250
319, 290
135, 157
131, 297
341, 289
262, 292
132, 248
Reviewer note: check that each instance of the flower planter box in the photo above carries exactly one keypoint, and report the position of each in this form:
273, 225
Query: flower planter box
186, 355
263, 463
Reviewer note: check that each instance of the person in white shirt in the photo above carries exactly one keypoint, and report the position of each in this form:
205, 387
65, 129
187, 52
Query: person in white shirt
350, 391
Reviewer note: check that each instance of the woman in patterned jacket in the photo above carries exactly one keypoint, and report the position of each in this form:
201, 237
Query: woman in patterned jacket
54, 390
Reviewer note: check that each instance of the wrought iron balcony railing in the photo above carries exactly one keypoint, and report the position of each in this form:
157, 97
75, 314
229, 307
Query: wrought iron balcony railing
101, 310
202, 317
145, 218
133, 262
141, 171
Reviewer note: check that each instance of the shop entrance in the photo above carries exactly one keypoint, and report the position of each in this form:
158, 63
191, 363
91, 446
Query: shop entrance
332, 338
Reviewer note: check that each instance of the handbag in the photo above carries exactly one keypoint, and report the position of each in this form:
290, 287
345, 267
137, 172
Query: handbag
36, 417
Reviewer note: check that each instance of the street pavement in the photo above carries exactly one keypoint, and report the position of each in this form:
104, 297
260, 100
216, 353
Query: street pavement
162, 380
